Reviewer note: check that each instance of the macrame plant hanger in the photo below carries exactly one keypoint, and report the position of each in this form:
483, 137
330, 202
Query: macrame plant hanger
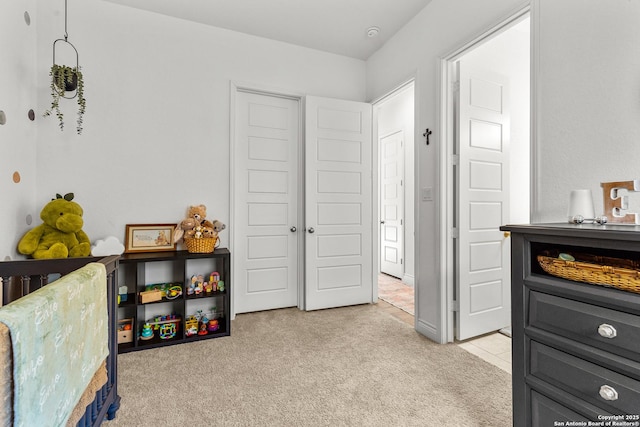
65, 40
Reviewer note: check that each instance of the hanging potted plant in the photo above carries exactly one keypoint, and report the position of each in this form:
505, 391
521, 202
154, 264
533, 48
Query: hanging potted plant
65, 79
66, 82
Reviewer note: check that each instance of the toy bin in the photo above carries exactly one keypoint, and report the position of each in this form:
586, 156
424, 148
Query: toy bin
125, 331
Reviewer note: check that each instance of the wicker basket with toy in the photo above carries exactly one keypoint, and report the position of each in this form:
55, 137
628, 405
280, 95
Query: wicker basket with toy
199, 234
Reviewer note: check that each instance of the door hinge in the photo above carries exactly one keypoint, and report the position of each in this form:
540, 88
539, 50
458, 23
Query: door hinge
455, 306
455, 233
455, 86
401, 221
455, 159
400, 261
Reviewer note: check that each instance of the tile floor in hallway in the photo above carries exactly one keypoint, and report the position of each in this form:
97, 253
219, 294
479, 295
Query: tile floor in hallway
396, 292
396, 298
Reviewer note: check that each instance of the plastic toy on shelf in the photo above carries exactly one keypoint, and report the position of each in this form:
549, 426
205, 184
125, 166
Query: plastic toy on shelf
122, 294
162, 287
174, 292
165, 326
213, 325
191, 326
167, 331
196, 285
147, 332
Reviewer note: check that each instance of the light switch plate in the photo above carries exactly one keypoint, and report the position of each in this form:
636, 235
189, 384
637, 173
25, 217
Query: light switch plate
427, 194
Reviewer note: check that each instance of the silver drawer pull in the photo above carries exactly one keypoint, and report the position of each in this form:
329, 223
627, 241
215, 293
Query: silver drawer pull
608, 393
607, 331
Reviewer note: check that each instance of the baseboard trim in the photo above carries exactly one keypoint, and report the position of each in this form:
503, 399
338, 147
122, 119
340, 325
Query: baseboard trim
409, 279
428, 331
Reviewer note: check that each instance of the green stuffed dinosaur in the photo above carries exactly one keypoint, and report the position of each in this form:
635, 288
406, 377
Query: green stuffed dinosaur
61, 235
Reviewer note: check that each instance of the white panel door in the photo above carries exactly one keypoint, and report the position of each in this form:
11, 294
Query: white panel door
265, 202
483, 189
338, 203
392, 204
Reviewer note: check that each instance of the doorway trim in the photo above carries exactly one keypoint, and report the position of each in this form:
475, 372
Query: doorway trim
446, 73
375, 136
234, 88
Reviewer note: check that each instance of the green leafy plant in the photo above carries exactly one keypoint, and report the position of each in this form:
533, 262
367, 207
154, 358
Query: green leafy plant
66, 79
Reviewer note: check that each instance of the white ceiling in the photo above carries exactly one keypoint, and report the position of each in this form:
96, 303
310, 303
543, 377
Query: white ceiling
337, 26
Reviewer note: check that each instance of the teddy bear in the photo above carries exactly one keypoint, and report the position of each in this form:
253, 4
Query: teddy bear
209, 232
61, 234
192, 225
212, 231
218, 226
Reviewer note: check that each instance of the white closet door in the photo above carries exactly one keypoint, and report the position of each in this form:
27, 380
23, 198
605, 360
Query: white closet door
265, 202
338, 203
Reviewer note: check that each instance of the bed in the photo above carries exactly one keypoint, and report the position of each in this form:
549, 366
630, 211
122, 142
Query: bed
97, 401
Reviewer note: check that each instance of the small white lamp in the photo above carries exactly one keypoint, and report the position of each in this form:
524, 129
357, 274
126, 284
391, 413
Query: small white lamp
581, 203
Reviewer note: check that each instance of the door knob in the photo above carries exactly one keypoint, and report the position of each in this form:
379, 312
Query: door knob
382, 222
506, 234
311, 230
293, 229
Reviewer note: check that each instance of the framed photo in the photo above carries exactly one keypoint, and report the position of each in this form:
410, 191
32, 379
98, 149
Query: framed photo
149, 238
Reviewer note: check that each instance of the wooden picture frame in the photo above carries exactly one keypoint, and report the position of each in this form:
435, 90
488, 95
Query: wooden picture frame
149, 238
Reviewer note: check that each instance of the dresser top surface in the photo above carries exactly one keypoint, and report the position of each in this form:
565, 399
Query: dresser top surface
607, 231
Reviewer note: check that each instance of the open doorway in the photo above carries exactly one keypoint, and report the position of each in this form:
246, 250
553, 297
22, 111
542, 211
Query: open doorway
488, 173
394, 118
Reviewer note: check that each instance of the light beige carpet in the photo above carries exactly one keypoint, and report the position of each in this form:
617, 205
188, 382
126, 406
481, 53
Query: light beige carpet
353, 366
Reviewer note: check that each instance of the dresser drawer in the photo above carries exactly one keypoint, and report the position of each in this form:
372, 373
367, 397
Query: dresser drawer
609, 330
546, 412
585, 380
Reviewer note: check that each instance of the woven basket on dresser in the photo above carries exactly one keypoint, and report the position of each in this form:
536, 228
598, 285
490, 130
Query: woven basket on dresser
204, 245
618, 273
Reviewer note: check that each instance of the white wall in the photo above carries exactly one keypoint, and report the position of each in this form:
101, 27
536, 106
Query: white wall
156, 130
18, 135
436, 31
509, 54
588, 99
397, 114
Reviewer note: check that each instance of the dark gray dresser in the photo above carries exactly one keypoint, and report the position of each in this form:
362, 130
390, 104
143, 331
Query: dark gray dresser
576, 346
